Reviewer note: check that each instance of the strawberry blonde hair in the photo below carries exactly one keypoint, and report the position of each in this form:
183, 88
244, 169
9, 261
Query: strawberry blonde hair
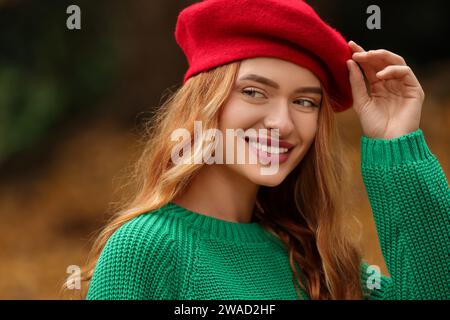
308, 211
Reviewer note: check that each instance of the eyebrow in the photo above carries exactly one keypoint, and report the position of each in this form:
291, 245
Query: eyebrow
275, 85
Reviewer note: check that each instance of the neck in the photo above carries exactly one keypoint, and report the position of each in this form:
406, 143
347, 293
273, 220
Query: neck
220, 192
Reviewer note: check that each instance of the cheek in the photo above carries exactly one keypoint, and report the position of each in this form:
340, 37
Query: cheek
306, 127
237, 114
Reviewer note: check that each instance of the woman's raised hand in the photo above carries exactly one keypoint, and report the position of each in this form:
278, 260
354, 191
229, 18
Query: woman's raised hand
393, 105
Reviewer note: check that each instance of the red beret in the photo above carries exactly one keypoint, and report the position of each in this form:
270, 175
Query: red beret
215, 32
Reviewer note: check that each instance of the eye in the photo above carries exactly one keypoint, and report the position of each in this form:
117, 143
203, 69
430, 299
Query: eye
251, 92
309, 103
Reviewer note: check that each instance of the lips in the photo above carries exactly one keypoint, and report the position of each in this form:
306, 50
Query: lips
269, 142
264, 145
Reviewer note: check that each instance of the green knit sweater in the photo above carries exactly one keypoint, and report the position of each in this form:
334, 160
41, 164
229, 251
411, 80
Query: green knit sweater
174, 253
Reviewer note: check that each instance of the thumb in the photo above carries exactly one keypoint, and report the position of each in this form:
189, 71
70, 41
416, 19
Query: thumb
359, 89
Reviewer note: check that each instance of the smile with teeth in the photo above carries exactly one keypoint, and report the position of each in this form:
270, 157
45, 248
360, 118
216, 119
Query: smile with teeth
268, 152
268, 149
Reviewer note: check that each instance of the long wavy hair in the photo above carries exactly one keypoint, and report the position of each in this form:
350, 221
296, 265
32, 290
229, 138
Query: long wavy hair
309, 211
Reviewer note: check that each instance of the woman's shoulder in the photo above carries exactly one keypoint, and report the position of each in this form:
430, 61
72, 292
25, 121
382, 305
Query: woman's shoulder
151, 230
137, 259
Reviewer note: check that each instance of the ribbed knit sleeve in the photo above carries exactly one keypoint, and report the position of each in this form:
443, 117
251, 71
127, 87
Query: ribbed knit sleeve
410, 200
136, 263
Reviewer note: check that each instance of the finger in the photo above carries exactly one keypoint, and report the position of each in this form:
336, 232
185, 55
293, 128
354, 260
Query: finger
373, 61
359, 89
398, 72
366, 66
368, 69
355, 47
380, 56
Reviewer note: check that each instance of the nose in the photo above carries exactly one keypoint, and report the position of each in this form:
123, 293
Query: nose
279, 117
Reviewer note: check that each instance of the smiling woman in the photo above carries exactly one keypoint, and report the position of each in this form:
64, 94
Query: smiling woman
227, 231
278, 109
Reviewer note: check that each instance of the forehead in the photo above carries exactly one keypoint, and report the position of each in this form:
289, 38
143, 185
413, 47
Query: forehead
278, 70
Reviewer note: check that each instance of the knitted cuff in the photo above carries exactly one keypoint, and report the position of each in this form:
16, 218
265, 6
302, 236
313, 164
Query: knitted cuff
389, 152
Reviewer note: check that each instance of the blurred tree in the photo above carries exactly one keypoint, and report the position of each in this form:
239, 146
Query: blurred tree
48, 72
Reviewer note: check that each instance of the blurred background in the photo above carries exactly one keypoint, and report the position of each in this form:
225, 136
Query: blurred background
72, 103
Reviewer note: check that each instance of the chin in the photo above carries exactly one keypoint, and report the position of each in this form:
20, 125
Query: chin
267, 180
270, 183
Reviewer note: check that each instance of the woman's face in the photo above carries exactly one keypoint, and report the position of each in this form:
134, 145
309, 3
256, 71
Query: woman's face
270, 93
